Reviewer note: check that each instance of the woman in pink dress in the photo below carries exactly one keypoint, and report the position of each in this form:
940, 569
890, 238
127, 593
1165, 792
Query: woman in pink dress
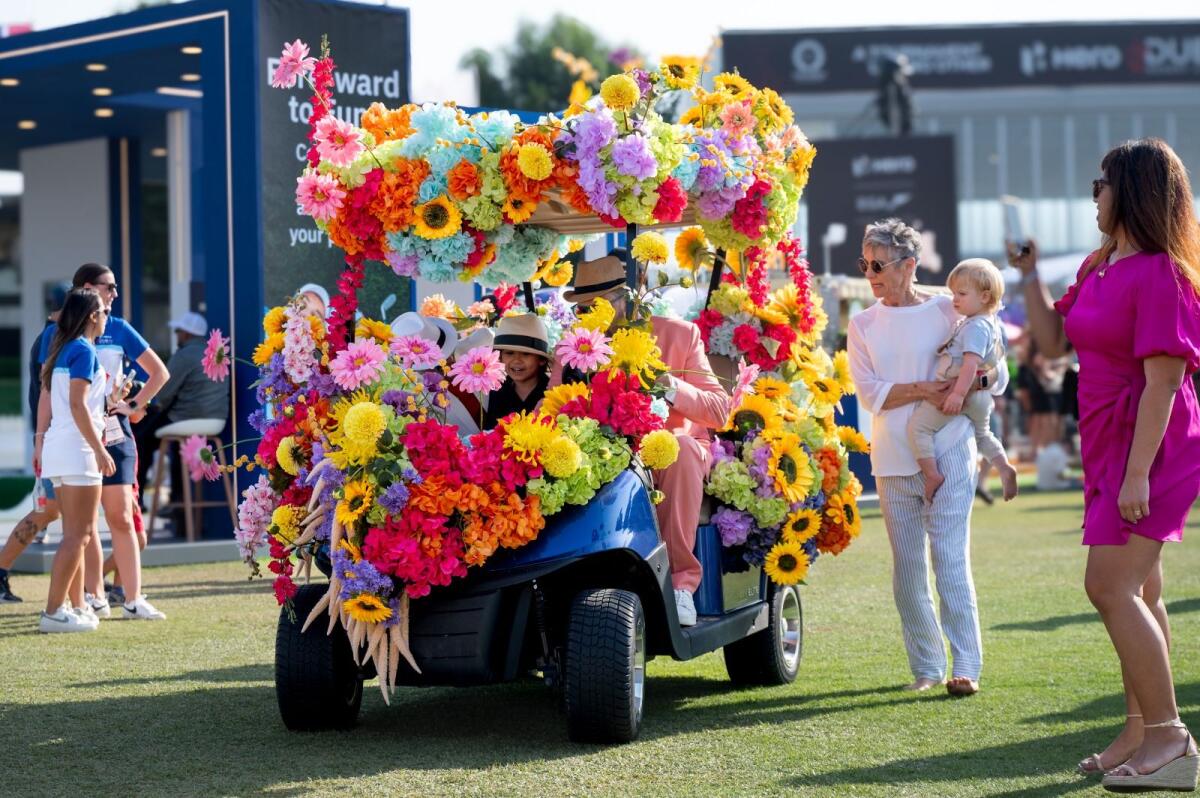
1133, 317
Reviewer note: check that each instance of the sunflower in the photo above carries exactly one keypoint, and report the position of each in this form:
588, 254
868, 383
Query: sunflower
786, 301
772, 388
691, 249
769, 315
835, 510
853, 521
438, 218
559, 395
693, 116
356, 501
367, 607
525, 436
680, 71
733, 87
786, 563
268, 349
755, 412
825, 390
772, 112
518, 209
841, 372
369, 328
274, 320
802, 525
636, 353
790, 467
853, 440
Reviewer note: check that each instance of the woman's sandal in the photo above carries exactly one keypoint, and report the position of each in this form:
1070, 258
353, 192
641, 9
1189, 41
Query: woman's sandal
1179, 774
1094, 765
961, 686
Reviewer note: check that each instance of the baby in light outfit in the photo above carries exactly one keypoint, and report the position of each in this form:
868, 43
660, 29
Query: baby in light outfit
974, 347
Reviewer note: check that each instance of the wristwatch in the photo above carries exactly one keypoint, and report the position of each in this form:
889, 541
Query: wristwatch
984, 381
132, 403
670, 393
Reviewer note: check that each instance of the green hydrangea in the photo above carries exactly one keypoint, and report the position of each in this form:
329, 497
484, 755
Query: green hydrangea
730, 481
770, 512
728, 299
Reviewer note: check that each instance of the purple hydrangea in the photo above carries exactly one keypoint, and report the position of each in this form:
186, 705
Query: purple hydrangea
633, 158
760, 470
721, 451
733, 525
403, 265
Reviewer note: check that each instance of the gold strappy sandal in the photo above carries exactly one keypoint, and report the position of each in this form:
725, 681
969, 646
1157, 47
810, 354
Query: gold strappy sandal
1179, 774
1094, 765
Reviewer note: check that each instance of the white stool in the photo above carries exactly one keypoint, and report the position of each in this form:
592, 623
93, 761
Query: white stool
178, 432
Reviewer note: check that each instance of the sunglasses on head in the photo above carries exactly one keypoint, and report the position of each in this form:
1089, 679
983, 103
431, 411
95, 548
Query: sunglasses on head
876, 266
1097, 186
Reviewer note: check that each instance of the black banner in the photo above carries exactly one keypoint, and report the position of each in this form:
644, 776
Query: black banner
972, 57
371, 51
859, 181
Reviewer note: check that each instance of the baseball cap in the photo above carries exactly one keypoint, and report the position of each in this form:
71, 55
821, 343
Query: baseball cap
190, 322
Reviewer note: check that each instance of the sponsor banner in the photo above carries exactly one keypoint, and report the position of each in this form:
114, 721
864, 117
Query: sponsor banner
973, 57
860, 181
370, 47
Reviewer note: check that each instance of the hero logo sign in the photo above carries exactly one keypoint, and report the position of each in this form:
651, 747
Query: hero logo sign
808, 61
1165, 55
1038, 57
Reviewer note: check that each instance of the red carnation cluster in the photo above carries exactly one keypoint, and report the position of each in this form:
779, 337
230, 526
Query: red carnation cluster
617, 402
750, 212
672, 199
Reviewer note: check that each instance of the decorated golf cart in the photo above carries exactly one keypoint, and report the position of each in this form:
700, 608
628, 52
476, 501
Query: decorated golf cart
460, 559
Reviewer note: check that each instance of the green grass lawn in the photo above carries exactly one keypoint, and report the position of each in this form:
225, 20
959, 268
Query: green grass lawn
187, 707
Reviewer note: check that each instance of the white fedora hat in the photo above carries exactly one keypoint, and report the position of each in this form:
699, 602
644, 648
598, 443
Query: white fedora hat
439, 332
481, 336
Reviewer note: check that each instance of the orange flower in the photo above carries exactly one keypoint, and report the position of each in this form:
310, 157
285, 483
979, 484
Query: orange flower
344, 238
576, 197
385, 124
832, 539
831, 469
463, 181
397, 195
433, 497
518, 209
518, 184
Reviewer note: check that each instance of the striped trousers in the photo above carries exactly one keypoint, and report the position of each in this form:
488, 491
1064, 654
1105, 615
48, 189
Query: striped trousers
944, 531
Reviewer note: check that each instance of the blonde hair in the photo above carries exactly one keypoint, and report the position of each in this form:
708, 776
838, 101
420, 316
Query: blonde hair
982, 275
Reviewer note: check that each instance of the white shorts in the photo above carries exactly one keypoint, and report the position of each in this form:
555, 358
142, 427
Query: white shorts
76, 481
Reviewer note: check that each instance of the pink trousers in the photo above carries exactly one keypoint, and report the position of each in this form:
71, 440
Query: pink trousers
678, 515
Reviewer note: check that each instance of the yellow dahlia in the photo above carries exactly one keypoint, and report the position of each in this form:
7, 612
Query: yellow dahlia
367, 607
802, 525
268, 349
786, 563
558, 274
800, 162
346, 451
853, 440
285, 523
274, 320
650, 248
790, 467
438, 218
755, 413
733, 87
559, 395
525, 436
680, 71
619, 92
691, 249
363, 424
370, 328
357, 496
599, 316
636, 353
561, 457
287, 455
534, 161
659, 449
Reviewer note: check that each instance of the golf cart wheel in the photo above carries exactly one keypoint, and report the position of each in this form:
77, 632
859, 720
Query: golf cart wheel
317, 683
605, 666
771, 656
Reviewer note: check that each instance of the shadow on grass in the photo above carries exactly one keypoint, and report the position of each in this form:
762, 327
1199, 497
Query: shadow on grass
230, 740
1059, 621
1054, 754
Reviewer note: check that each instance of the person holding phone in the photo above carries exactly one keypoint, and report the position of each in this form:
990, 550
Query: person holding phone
69, 445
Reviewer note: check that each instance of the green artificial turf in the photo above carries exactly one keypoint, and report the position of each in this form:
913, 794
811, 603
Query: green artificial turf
187, 707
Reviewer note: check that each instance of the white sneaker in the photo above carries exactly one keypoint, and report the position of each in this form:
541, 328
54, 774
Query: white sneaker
141, 610
99, 606
86, 613
64, 621
685, 608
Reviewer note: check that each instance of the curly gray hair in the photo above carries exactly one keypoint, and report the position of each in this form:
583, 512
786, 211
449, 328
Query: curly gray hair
900, 240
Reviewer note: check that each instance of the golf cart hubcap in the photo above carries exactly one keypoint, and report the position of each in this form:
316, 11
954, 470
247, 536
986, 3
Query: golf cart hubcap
789, 628
639, 667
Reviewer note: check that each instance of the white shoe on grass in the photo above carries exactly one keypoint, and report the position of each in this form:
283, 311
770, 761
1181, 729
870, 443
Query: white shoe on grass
97, 605
685, 608
64, 620
86, 613
141, 610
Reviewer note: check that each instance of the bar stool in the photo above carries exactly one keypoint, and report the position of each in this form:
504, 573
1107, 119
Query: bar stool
177, 433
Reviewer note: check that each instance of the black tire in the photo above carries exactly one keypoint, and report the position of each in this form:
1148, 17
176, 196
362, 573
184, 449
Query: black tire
317, 684
771, 656
605, 666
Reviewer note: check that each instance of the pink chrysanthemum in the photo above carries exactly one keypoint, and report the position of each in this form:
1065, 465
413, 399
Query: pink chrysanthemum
415, 352
199, 458
338, 142
294, 62
358, 364
586, 350
747, 374
319, 195
479, 371
737, 119
216, 357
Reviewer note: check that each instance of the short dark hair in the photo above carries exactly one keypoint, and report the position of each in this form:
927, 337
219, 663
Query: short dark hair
89, 273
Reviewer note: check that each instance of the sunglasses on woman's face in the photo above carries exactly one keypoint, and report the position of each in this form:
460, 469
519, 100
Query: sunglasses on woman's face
1097, 186
874, 265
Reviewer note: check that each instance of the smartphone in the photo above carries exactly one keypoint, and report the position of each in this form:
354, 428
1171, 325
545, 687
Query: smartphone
1014, 233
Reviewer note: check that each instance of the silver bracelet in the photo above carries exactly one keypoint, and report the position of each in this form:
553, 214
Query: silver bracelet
1028, 277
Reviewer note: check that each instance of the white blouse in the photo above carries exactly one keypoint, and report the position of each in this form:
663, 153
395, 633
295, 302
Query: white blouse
891, 345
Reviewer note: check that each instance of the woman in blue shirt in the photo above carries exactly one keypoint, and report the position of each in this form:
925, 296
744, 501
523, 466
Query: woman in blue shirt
72, 451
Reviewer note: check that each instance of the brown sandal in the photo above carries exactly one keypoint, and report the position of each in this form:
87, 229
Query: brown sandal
1094, 765
1180, 773
961, 686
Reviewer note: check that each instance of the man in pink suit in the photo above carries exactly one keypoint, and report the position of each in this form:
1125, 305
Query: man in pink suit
697, 403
